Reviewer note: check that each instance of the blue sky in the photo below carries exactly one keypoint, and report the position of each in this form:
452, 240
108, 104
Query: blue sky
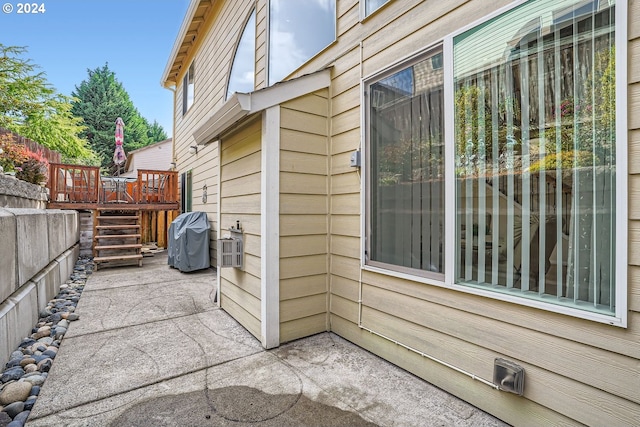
134, 37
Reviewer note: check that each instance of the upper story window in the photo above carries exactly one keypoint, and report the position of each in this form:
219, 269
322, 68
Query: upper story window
530, 187
242, 76
297, 31
188, 88
371, 6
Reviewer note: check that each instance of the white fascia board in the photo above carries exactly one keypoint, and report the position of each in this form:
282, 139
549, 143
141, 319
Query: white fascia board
186, 22
291, 89
236, 108
241, 105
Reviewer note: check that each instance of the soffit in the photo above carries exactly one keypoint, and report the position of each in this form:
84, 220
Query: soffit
192, 30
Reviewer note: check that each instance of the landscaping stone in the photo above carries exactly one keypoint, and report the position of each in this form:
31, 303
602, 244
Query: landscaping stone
14, 392
29, 365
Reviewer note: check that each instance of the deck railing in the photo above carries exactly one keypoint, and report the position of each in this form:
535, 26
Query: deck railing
73, 183
82, 187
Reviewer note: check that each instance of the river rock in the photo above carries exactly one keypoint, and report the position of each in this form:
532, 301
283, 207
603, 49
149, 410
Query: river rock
14, 392
50, 353
14, 409
32, 367
45, 365
28, 404
47, 341
12, 363
27, 361
12, 374
5, 419
44, 331
35, 379
20, 419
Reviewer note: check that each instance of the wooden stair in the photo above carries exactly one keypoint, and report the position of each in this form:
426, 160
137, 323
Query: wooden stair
116, 238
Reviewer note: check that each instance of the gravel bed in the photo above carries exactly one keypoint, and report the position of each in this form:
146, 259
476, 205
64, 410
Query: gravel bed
29, 364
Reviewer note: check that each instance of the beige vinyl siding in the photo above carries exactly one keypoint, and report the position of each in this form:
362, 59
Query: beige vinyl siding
205, 172
240, 201
303, 216
213, 57
261, 44
577, 371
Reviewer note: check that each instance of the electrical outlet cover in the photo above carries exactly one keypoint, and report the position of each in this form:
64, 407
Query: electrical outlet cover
508, 376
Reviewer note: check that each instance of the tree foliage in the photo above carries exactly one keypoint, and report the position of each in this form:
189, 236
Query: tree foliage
100, 100
30, 106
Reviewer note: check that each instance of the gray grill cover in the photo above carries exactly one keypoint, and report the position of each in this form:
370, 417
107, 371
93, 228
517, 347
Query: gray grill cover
188, 247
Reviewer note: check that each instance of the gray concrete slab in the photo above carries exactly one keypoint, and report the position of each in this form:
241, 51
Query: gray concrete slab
152, 349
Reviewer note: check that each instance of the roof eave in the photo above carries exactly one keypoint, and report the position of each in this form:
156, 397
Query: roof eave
241, 105
186, 22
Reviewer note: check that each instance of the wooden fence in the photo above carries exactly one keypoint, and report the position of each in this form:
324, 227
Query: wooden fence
50, 155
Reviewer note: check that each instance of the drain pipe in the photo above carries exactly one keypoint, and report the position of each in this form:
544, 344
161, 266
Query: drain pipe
421, 353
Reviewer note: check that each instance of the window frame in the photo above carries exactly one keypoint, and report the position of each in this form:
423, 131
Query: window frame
252, 13
186, 187
363, 9
619, 318
431, 277
188, 85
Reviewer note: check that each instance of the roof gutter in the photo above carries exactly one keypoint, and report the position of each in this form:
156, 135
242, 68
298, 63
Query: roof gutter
241, 105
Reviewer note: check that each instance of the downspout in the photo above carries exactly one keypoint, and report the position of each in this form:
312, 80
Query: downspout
173, 131
363, 251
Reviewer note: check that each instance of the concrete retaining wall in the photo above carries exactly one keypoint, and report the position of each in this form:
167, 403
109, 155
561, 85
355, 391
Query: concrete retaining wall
37, 253
19, 194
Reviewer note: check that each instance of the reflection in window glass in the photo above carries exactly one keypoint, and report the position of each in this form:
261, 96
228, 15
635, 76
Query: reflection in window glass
535, 154
241, 78
188, 85
371, 6
406, 142
297, 31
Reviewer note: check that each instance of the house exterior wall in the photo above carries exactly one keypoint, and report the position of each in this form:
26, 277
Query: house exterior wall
577, 371
240, 289
303, 216
212, 56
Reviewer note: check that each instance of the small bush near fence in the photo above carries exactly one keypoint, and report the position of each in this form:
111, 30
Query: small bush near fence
28, 165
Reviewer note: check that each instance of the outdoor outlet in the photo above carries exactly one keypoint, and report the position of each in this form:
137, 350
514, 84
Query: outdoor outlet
355, 159
508, 376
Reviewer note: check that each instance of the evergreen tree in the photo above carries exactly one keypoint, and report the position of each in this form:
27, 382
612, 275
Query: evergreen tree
156, 132
101, 99
30, 106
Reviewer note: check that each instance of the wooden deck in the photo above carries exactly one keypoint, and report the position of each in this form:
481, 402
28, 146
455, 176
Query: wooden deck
82, 187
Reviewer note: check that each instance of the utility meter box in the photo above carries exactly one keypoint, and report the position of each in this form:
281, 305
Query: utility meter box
230, 252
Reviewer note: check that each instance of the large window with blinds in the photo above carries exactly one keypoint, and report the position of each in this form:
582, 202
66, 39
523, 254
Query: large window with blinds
522, 200
535, 153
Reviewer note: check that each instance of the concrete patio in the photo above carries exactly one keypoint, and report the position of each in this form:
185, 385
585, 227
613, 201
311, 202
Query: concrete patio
152, 348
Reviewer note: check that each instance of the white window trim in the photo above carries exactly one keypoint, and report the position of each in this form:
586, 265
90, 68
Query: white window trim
227, 95
620, 317
185, 89
363, 9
